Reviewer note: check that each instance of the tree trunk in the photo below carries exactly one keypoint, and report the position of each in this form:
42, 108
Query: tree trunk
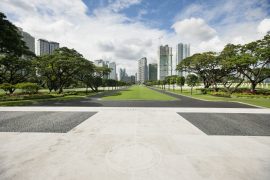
181, 88
253, 87
191, 90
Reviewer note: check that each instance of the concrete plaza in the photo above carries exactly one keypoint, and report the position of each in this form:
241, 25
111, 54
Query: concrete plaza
135, 143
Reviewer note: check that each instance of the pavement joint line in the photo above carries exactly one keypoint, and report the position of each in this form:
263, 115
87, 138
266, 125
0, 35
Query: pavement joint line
185, 109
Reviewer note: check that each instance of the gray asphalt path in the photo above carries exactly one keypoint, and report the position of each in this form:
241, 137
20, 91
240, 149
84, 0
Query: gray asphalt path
238, 124
54, 122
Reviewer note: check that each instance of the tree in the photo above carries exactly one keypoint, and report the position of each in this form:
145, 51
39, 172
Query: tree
167, 81
205, 65
11, 42
60, 68
255, 57
231, 68
173, 81
15, 69
180, 81
192, 80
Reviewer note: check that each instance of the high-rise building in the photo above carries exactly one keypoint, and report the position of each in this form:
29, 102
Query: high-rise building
53, 46
152, 72
112, 75
28, 39
102, 63
164, 62
122, 74
44, 47
99, 63
142, 70
182, 51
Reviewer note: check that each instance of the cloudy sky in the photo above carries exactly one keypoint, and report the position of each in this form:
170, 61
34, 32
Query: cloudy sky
126, 30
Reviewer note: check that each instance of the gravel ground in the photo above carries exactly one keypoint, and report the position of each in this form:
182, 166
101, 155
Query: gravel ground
53, 122
237, 124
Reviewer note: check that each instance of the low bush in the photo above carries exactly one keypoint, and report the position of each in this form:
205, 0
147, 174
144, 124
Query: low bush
8, 88
220, 94
27, 87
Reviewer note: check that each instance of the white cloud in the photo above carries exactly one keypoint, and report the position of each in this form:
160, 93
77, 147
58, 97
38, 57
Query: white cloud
118, 5
109, 34
194, 29
264, 26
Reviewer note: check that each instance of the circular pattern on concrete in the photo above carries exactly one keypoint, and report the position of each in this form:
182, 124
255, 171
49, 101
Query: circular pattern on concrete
132, 157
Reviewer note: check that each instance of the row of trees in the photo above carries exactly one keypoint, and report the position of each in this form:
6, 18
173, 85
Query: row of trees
64, 68
231, 67
191, 80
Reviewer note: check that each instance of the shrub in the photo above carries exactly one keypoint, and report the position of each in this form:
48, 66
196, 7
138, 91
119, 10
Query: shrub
8, 88
27, 87
220, 94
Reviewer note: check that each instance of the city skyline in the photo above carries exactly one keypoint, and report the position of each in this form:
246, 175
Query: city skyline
206, 25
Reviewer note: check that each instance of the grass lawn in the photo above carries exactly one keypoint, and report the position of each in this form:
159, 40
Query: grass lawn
264, 102
54, 97
139, 93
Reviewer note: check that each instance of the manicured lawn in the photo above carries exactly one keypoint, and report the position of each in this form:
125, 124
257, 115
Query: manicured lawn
264, 102
139, 93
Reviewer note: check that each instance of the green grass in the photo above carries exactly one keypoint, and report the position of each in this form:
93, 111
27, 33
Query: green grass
139, 93
260, 101
35, 99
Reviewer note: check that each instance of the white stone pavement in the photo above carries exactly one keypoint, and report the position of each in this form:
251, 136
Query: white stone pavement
133, 144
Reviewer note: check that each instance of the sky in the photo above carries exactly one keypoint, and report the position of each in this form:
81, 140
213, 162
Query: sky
124, 31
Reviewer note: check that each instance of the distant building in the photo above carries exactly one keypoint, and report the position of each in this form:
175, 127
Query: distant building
132, 79
182, 51
122, 74
44, 47
152, 72
28, 39
99, 63
53, 46
102, 63
164, 62
113, 74
142, 70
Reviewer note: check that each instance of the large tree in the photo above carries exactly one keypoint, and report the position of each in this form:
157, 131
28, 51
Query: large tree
15, 69
60, 68
254, 59
205, 65
11, 42
231, 67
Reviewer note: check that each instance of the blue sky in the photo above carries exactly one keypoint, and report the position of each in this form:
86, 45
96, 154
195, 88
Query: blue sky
126, 30
163, 13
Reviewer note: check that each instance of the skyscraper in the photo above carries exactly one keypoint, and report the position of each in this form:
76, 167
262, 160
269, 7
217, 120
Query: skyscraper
152, 72
99, 63
122, 74
53, 46
28, 39
112, 75
164, 62
182, 51
142, 70
44, 47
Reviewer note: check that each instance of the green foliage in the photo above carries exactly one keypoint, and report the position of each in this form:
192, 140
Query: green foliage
28, 87
11, 42
192, 80
8, 88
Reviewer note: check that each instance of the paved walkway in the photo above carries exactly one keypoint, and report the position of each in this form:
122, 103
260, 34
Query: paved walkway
134, 143
182, 101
